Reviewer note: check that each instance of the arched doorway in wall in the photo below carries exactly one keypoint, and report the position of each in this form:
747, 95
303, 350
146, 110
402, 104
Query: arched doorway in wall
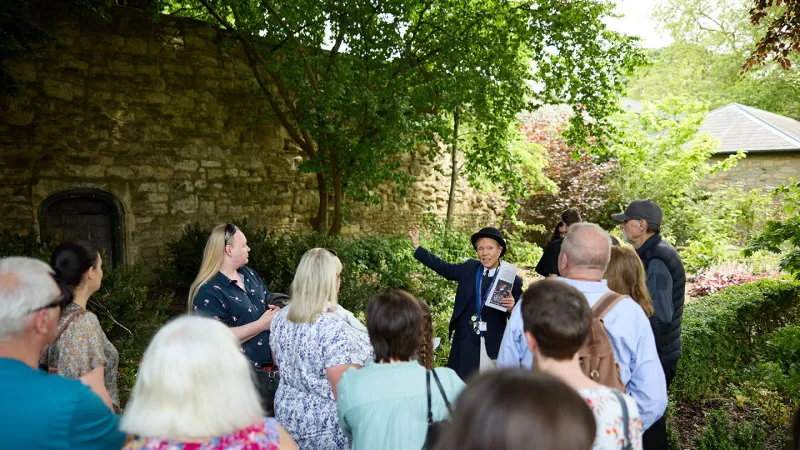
87, 214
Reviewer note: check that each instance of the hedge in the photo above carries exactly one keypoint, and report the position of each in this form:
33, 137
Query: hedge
721, 333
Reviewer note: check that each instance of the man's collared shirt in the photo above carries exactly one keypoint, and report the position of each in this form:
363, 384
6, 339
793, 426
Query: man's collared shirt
224, 300
631, 338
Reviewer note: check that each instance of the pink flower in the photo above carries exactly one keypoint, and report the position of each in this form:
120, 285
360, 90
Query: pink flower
235, 319
260, 342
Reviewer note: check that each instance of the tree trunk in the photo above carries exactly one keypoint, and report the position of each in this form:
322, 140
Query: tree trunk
320, 222
338, 197
453, 171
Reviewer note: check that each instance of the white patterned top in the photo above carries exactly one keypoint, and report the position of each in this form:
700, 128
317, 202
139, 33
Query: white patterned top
304, 403
608, 416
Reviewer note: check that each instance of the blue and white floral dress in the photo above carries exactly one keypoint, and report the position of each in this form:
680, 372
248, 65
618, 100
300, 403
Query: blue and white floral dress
304, 403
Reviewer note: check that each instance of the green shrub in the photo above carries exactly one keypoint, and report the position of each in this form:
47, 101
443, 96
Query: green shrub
720, 434
31, 245
720, 332
371, 264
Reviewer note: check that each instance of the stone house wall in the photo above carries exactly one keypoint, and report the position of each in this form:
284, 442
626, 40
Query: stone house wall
758, 170
156, 114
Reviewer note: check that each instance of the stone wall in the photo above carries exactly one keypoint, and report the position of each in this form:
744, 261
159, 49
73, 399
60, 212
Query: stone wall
757, 170
157, 115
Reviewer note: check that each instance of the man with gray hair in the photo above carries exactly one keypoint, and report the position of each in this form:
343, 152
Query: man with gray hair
42, 411
584, 256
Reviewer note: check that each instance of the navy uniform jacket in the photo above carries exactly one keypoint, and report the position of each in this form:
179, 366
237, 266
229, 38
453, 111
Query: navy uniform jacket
465, 352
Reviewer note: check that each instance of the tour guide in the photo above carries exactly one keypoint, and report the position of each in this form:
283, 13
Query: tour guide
475, 331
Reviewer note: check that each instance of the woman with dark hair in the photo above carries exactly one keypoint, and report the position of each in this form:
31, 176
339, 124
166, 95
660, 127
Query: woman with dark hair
476, 328
81, 349
510, 409
385, 405
559, 232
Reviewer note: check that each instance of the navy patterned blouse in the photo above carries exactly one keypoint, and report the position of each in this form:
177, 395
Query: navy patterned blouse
233, 305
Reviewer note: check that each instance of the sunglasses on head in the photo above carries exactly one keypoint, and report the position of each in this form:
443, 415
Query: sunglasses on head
332, 251
230, 230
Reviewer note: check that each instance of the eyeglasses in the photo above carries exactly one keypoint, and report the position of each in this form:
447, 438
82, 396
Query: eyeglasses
230, 230
332, 251
57, 302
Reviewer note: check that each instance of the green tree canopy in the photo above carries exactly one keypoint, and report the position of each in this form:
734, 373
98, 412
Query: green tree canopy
712, 39
359, 83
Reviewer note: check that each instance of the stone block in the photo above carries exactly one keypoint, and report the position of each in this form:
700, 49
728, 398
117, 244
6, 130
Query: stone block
155, 198
147, 187
123, 172
206, 207
95, 171
19, 111
123, 67
58, 89
136, 46
157, 133
188, 165
162, 173
183, 186
188, 204
22, 71
215, 174
148, 70
210, 164
160, 209
232, 172
201, 184
156, 98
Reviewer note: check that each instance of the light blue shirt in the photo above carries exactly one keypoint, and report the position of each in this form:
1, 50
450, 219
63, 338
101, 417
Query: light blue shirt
631, 338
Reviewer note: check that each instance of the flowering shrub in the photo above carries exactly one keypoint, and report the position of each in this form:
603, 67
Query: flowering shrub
578, 176
711, 282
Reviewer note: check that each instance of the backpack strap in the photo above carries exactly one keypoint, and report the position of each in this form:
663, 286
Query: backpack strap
63, 328
606, 303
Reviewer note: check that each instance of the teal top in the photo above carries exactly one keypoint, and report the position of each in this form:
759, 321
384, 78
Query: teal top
385, 405
50, 412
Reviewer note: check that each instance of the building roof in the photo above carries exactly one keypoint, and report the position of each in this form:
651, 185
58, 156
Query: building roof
740, 127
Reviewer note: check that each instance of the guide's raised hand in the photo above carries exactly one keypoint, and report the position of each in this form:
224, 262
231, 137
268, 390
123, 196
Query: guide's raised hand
414, 236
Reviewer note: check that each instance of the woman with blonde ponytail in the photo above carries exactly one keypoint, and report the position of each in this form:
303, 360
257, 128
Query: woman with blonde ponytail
212, 260
229, 291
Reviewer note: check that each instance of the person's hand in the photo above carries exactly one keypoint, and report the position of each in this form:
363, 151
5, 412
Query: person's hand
414, 236
508, 302
269, 314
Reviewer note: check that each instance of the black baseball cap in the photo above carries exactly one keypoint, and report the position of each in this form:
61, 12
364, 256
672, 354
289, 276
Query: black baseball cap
646, 210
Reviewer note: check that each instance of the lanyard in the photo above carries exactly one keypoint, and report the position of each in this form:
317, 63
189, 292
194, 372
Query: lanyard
479, 302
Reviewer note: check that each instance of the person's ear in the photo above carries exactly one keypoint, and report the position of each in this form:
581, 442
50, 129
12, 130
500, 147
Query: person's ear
42, 322
562, 262
532, 345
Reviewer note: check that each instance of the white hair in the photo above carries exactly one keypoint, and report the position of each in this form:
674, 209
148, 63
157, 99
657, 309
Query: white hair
587, 245
193, 383
25, 285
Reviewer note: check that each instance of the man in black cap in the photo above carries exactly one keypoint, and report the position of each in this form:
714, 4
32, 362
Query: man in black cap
666, 280
475, 330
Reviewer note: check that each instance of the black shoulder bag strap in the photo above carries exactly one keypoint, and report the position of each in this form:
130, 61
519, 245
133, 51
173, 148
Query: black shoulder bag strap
428, 388
626, 443
441, 391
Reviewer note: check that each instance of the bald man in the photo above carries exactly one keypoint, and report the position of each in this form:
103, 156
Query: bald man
584, 256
